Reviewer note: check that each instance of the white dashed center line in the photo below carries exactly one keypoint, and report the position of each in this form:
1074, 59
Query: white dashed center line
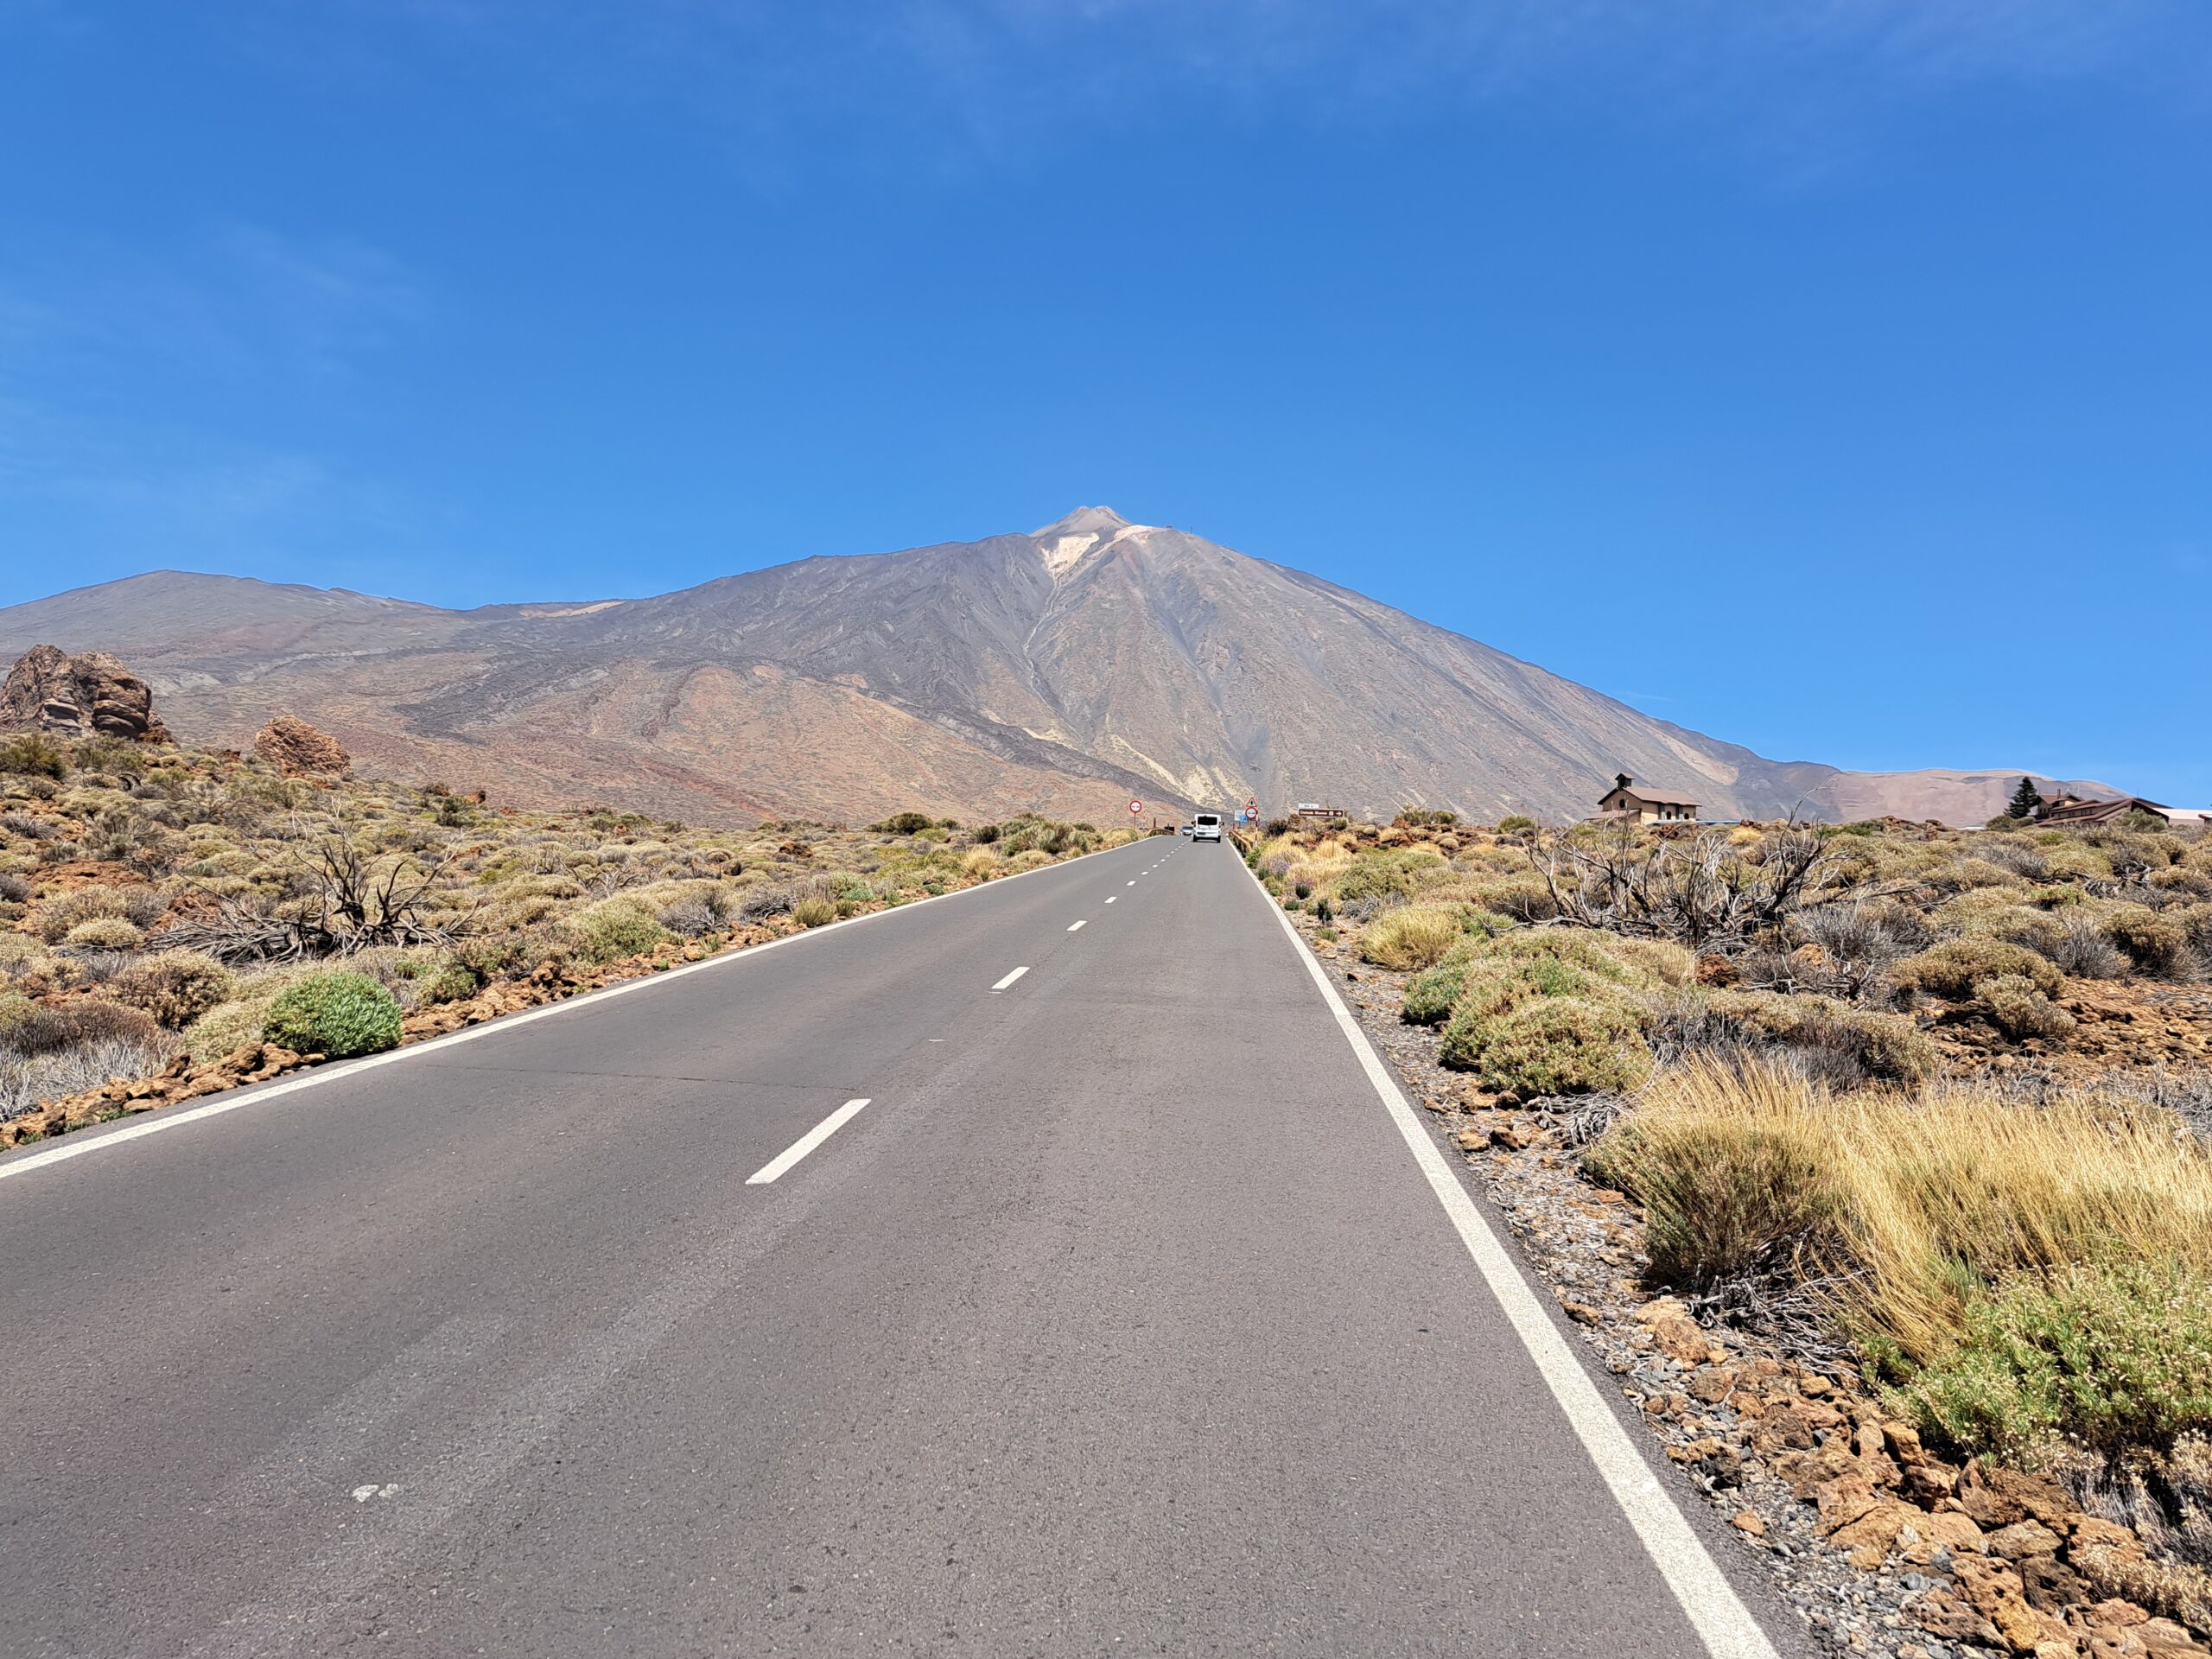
807, 1142
1111, 900
1074, 926
1009, 979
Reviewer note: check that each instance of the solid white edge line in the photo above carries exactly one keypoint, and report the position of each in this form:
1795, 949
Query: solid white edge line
1074, 927
94, 1139
1715, 1610
1010, 977
797, 1150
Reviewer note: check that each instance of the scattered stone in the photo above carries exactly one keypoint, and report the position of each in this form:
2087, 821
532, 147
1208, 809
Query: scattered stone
1672, 1330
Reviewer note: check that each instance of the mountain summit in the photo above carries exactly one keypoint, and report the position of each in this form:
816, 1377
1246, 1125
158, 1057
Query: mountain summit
1088, 663
1083, 521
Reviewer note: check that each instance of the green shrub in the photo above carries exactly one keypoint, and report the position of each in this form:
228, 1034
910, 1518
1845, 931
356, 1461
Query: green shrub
1487, 975
1431, 994
2190, 883
2110, 1358
226, 1028
55, 918
2155, 944
515, 954
1852, 1041
34, 755
615, 928
337, 1014
176, 986
1956, 967
816, 913
904, 823
1551, 1045
1375, 877
2019, 1010
110, 755
453, 982
105, 933
1515, 824
1524, 898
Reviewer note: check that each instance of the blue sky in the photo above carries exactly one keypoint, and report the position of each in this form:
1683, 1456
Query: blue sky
1834, 377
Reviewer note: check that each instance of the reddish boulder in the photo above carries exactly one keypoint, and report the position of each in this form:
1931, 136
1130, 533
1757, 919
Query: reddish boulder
297, 749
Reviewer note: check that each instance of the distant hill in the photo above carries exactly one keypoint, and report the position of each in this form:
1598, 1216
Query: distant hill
1071, 670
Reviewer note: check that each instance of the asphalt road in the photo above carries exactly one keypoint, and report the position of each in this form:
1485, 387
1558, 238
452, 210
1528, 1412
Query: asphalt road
1123, 1320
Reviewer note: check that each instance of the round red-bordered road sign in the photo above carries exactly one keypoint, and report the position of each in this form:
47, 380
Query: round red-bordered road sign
1136, 806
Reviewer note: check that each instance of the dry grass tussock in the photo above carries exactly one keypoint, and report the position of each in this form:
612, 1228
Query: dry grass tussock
2027, 1276
1411, 935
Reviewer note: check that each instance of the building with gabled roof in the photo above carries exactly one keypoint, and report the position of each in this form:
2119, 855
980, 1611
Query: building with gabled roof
1624, 803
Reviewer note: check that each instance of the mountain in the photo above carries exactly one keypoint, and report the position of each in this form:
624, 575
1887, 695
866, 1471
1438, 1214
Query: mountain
1072, 670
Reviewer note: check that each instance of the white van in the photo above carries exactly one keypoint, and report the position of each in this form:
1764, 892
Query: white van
1206, 827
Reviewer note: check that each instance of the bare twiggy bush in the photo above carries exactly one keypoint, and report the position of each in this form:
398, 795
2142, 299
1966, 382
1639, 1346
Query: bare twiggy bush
1703, 890
2085, 950
341, 899
27, 1080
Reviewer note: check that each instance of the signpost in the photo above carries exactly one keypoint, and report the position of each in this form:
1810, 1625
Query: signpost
1137, 807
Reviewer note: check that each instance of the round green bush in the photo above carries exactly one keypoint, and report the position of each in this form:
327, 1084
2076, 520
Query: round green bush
618, 928
1956, 967
453, 982
1431, 994
226, 1028
2019, 1010
105, 933
176, 986
338, 1014
2157, 945
1552, 1045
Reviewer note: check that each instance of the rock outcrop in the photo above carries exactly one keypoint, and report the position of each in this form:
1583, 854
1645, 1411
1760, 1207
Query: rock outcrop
295, 748
90, 694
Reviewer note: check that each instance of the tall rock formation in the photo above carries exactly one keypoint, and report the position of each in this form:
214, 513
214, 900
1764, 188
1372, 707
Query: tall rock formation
85, 695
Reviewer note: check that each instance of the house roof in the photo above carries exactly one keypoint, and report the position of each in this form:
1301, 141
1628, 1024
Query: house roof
2092, 806
1645, 795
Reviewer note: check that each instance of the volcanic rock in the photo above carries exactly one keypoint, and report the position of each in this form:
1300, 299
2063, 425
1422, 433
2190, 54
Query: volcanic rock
294, 748
90, 694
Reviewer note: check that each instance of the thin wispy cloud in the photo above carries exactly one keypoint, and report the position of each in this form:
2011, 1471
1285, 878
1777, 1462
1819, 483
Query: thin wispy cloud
238, 297
1018, 67
97, 340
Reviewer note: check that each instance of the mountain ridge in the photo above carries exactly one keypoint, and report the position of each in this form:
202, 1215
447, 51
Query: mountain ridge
1087, 663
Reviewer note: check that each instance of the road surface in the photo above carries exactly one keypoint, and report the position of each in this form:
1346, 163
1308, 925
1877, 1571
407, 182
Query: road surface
1123, 1317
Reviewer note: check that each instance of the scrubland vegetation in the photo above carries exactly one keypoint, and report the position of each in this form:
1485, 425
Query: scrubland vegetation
162, 909
1931, 1100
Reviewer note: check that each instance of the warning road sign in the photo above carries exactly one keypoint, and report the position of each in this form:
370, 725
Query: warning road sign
1136, 806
